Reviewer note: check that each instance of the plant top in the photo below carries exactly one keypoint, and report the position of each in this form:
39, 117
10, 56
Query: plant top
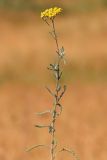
51, 13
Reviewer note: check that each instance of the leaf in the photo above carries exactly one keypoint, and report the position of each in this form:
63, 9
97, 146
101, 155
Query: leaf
42, 113
61, 95
41, 126
62, 52
52, 34
56, 75
60, 106
51, 129
35, 146
70, 151
58, 88
54, 67
50, 91
60, 75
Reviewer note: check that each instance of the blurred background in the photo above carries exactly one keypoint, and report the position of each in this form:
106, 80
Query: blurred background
26, 49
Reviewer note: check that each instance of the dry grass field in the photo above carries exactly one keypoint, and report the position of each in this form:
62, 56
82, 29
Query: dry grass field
82, 125
26, 49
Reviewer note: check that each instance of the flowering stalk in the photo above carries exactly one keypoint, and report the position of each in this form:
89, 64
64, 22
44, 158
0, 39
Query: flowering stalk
49, 16
57, 72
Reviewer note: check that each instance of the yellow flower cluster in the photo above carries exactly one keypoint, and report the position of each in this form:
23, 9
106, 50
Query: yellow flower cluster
51, 12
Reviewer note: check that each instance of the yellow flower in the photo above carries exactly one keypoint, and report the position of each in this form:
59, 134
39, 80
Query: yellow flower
51, 12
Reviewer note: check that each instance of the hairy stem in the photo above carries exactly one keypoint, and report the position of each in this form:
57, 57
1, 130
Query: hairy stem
53, 143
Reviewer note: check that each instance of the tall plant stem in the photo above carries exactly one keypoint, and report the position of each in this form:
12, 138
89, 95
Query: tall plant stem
53, 143
55, 35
